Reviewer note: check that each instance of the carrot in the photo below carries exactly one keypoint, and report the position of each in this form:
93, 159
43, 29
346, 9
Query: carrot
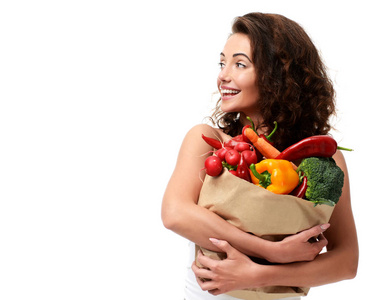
261, 144
264, 147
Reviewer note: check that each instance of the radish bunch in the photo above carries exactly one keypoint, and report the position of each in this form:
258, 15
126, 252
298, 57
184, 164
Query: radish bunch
236, 155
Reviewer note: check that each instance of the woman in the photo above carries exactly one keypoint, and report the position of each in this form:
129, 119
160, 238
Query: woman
270, 71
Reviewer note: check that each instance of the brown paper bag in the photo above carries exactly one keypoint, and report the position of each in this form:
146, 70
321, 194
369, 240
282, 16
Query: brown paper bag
265, 214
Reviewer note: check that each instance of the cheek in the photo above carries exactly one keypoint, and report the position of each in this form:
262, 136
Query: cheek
251, 94
251, 88
248, 81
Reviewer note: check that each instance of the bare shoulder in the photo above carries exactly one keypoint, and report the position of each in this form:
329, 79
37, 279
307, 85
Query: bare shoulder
340, 161
186, 178
209, 131
194, 135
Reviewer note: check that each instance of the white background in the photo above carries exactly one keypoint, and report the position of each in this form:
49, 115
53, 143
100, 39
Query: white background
96, 97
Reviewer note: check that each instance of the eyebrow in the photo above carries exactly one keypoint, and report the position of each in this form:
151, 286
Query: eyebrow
237, 54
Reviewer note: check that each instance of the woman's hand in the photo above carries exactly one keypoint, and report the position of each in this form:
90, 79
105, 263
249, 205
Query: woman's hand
236, 272
304, 246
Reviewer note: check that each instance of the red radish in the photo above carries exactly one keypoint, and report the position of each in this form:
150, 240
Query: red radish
232, 157
242, 146
250, 157
234, 141
213, 166
221, 153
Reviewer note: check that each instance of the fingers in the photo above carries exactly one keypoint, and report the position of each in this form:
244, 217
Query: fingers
315, 231
205, 261
201, 273
322, 241
205, 276
204, 279
317, 246
215, 292
224, 246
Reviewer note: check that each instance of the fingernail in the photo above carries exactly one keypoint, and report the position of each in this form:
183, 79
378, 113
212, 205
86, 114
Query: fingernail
324, 227
214, 241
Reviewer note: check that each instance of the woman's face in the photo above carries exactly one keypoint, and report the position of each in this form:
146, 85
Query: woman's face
237, 79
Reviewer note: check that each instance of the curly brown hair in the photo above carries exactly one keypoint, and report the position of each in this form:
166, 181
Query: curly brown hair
295, 90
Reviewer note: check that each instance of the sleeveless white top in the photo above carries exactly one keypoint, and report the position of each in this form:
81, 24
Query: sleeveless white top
193, 290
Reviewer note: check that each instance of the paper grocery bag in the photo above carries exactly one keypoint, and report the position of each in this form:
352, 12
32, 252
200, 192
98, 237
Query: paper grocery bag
255, 210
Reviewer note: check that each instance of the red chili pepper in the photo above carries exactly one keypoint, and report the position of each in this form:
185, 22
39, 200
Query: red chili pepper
212, 142
300, 190
317, 145
242, 170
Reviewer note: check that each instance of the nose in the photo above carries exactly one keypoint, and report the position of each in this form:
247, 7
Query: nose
224, 75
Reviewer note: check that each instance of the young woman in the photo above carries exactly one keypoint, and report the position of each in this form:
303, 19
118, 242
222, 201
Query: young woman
270, 71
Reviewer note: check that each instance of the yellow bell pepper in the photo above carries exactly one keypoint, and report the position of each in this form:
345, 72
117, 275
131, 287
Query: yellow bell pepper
276, 175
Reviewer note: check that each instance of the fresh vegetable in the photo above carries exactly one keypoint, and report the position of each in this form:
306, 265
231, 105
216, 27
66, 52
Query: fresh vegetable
220, 153
250, 156
212, 142
242, 170
276, 175
213, 166
265, 148
317, 145
245, 139
269, 136
325, 180
242, 146
233, 172
265, 137
232, 157
300, 190
237, 158
234, 141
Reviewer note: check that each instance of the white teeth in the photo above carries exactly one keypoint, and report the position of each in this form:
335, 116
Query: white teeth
229, 92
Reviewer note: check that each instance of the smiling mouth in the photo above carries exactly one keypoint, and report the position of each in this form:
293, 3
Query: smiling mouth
229, 92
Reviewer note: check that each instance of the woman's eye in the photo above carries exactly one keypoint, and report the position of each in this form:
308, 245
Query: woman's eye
221, 64
240, 65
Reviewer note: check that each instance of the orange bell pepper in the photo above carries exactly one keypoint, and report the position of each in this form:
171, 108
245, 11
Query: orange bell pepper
275, 175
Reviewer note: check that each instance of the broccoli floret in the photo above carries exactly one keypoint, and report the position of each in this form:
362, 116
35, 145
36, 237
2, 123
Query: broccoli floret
325, 180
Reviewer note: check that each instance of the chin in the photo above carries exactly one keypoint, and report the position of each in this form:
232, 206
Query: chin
227, 109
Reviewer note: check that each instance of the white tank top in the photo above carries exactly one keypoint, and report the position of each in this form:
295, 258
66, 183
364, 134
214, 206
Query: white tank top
193, 290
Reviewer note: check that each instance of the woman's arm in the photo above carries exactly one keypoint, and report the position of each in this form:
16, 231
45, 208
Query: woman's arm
181, 214
341, 259
338, 263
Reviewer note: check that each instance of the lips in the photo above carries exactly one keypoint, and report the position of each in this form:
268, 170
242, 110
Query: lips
227, 92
